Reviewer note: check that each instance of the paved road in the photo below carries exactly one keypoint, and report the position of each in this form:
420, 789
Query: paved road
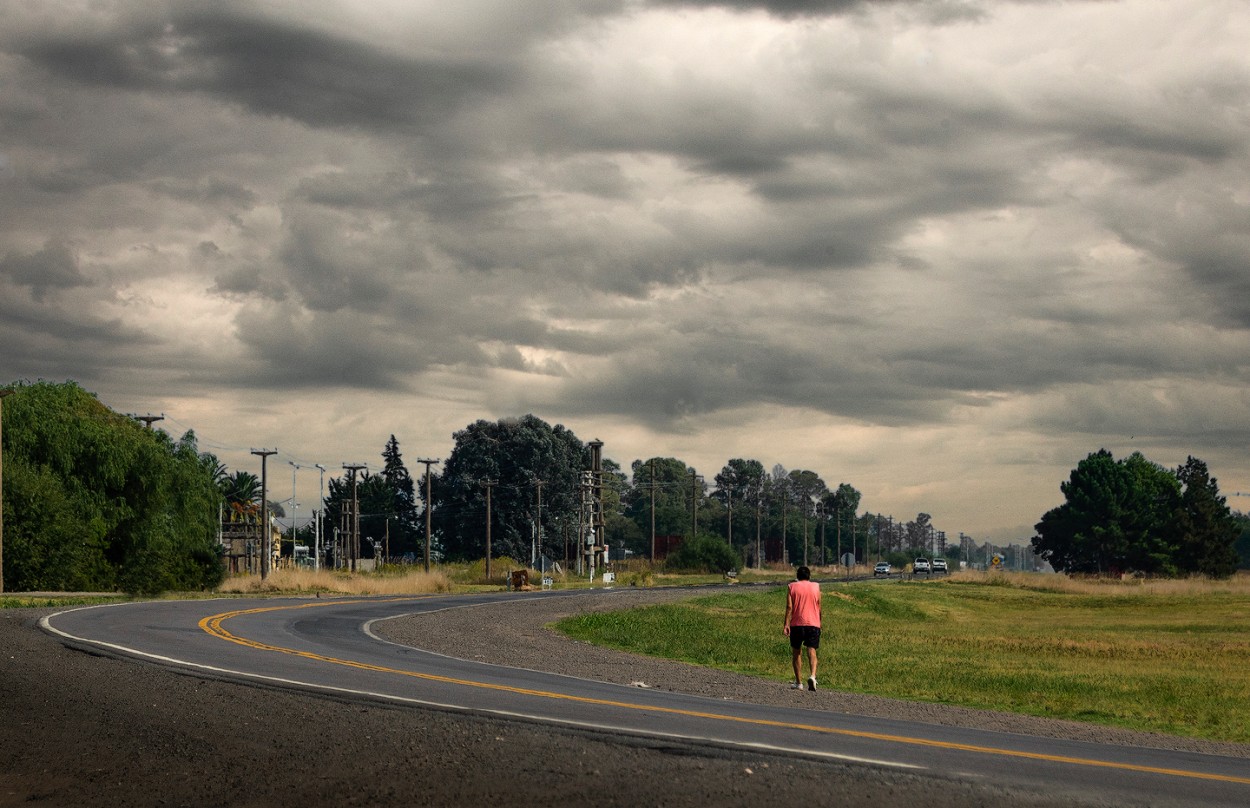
326, 645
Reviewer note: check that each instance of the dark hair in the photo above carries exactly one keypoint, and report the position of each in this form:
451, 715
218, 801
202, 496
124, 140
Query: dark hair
804, 574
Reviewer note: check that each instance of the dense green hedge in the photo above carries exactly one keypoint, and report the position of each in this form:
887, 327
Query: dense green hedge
94, 501
704, 553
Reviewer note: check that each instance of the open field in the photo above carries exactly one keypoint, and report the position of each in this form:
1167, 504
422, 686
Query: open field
1165, 656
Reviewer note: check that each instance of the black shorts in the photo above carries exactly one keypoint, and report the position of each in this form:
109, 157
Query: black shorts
804, 635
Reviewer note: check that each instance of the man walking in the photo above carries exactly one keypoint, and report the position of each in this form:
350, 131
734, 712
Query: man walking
802, 625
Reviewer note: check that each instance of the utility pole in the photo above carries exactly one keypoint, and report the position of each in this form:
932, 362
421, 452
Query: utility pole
294, 508
3, 395
837, 514
149, 418
265, 538
759, 546
806, 504
427, 463
353, 526
820, 512
592, 504
538, 525
694, 504
785, 549
651, 463
488, 484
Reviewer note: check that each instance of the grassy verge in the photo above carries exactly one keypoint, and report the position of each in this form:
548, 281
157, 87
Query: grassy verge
28, 601
1172, 657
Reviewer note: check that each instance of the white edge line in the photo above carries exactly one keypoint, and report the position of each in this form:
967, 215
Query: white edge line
367, 628
587, 725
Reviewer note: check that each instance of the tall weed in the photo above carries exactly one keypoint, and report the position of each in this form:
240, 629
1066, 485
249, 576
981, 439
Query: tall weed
414, 582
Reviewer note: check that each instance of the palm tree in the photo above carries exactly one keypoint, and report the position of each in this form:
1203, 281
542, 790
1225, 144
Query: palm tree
242, 493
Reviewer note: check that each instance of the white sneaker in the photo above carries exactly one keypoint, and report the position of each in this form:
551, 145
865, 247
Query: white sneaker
811, 683
796, 686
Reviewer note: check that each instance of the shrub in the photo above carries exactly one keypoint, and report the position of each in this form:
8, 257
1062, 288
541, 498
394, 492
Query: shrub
703, 553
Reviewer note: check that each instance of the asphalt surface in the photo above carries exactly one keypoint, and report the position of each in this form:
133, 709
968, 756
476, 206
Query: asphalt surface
328, 647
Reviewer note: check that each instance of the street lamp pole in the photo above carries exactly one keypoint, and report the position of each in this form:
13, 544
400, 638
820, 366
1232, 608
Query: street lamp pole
294, 508
321, 515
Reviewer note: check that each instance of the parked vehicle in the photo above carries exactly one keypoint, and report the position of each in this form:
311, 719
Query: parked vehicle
920, 565
939, 565
883, 568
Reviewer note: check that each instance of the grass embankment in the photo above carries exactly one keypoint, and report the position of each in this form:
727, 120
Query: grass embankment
1171, 657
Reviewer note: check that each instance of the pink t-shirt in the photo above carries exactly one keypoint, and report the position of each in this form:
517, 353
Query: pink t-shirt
804, 603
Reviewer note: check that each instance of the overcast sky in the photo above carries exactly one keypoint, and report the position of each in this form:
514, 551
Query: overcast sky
940, 251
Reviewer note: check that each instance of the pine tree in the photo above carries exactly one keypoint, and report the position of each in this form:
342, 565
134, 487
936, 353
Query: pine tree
404, 498
1206, 528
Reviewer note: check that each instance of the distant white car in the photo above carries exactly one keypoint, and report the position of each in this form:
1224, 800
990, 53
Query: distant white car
939, 565
883, 568
920, 565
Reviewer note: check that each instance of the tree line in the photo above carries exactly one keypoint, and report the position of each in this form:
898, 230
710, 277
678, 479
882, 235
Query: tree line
1133, 515
93, 500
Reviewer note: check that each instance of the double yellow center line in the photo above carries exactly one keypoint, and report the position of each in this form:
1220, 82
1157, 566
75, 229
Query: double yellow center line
213, 625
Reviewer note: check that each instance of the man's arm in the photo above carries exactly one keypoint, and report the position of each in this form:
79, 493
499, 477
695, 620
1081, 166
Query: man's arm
785, 626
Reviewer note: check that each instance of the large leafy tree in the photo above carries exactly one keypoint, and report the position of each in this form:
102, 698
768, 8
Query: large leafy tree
919, 531
668, 480
94, 501
622, 532
840, 506
740, 482
806, 489
1118, 516
740, 486
531, 465
376, 501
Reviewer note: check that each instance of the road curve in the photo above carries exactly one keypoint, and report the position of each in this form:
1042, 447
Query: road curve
325, 645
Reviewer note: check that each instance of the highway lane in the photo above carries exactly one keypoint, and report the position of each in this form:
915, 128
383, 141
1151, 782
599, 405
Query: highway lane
324, 645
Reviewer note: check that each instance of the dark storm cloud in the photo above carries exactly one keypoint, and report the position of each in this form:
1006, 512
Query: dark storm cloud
945, 221
704, 373
46, 340
52, 268
781, 8
270, 67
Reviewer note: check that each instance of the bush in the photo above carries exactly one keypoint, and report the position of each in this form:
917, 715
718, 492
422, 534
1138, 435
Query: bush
703, 553
95, 502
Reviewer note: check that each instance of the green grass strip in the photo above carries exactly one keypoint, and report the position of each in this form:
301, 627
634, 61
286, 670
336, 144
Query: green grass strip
1174, 663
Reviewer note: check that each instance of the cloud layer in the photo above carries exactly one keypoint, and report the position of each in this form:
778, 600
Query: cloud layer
941, 251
